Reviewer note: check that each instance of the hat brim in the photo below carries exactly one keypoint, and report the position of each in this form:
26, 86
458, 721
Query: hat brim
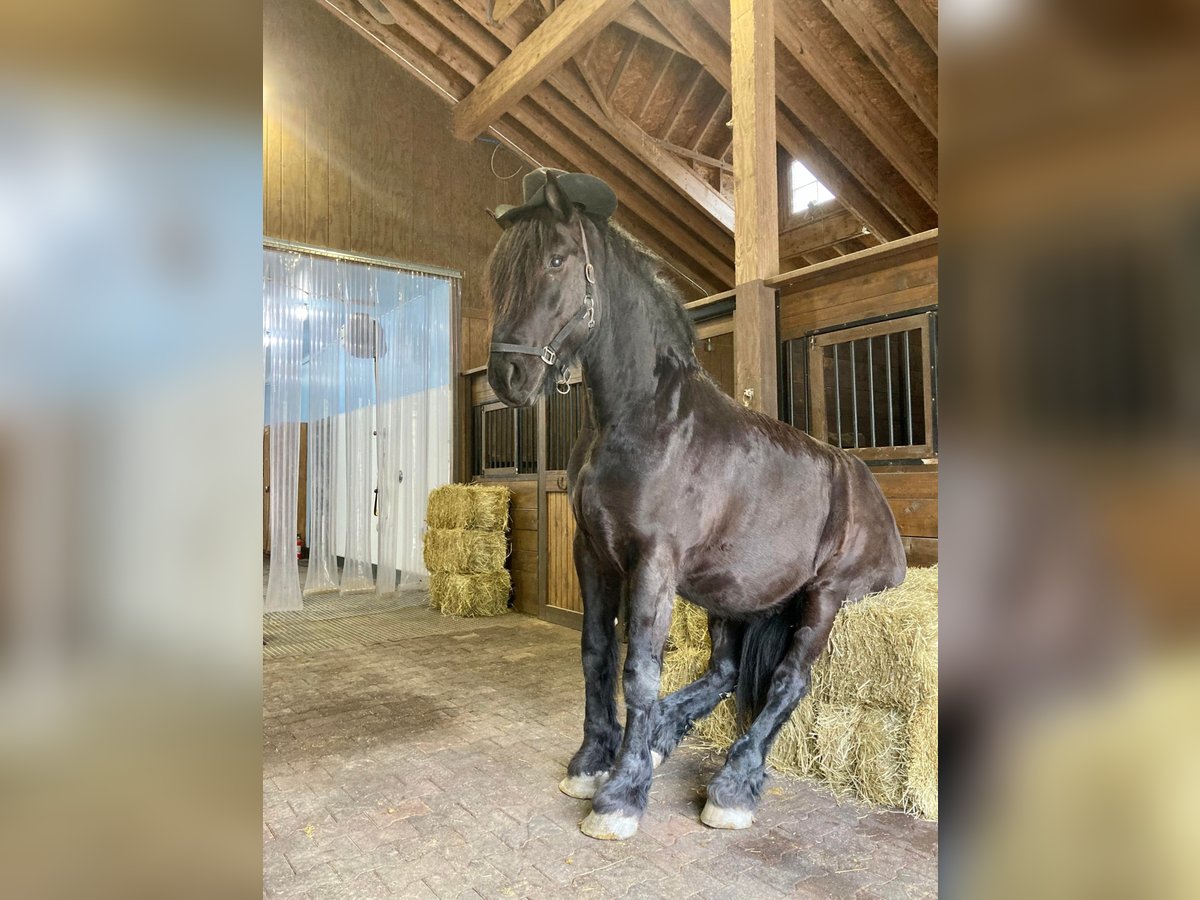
587, 191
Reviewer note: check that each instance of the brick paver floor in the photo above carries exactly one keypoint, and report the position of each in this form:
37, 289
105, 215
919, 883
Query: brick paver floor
428, 767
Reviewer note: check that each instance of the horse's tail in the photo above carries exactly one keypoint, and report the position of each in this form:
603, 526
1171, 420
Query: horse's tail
764, 644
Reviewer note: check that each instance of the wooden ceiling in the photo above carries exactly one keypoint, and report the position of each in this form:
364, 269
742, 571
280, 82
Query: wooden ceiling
638, 94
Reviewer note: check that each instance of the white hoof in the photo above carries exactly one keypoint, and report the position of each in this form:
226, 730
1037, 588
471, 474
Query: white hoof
582, 787
609, 826
656, 758
720, 817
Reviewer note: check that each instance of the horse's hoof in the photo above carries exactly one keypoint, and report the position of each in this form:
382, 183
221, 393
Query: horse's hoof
724, 817
582, 787
609, 826
656, 758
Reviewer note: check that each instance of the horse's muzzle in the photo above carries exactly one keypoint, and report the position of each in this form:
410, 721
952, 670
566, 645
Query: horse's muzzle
515, 378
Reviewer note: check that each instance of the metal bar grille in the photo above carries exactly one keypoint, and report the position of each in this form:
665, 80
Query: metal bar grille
908, 389
887, 359
871, 389
897, 387
837, 393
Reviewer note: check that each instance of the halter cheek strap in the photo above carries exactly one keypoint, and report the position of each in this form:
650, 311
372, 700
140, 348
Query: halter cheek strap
552, 351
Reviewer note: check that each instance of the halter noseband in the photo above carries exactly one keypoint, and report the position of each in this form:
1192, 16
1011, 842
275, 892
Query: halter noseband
550, 353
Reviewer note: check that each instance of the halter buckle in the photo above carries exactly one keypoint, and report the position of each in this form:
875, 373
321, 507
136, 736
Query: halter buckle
549, 357
589, 311
589, 273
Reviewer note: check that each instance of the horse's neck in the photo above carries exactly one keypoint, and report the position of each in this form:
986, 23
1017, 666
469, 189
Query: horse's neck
623, 369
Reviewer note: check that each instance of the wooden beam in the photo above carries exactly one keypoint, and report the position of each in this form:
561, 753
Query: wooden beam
616, 165
756, 200
648, 92
680, 102
818, 159
826, 231
698, 40
703, 158
830, 125
819, 43
651, 152
552, 43
502, 9
705, 197
618, 138
915, 246
638, 20
891, 42
923, 14
622, 65
710, 48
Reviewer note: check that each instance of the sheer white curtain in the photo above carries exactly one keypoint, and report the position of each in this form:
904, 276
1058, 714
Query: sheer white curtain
326, 317
367, 365
284, 314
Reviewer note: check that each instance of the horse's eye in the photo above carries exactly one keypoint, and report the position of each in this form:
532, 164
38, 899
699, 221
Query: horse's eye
556, 262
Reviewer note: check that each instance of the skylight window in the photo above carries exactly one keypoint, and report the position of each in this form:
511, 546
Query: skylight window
807, 192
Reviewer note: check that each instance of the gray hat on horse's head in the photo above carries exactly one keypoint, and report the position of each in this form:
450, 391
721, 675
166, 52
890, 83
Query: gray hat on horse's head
586, 191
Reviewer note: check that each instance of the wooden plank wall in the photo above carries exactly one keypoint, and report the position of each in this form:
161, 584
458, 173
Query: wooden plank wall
562, 584
358, 156
884, 285
912, 493
882, 281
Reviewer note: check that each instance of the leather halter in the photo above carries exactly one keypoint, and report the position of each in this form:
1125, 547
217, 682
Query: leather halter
552, 351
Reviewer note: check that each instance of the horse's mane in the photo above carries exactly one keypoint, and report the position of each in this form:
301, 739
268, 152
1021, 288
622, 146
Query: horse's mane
629, 270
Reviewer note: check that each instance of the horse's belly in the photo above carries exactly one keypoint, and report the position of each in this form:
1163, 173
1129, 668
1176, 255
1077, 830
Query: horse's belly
744, 588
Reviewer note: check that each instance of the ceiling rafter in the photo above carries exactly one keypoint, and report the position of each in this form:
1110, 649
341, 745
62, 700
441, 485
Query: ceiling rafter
891, 42
833, 128
923, 14
818, 42
637, 19
680, 103
711, 50
544, 112
622, 139
551, 44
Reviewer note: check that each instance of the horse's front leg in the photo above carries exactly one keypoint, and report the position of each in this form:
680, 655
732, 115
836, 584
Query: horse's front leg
601, 732
619, 803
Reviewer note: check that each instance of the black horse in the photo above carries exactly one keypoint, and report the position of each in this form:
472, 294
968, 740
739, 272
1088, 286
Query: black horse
677, 488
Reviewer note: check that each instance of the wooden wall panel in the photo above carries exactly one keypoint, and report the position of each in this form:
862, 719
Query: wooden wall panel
358, 156
912, 493
562, 584
894, 289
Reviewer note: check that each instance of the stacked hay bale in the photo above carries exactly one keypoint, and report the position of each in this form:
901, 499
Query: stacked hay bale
869, 726
465, 549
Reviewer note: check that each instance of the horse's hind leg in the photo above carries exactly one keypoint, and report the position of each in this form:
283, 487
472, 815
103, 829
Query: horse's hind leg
621, 800
678, 711
734, 791
601, 730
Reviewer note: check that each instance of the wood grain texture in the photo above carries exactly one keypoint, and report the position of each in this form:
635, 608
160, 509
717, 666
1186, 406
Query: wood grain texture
564, 32
358, 156
562, 584
756, 192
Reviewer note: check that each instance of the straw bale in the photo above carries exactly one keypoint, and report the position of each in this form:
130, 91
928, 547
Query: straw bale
463, 551
470, 595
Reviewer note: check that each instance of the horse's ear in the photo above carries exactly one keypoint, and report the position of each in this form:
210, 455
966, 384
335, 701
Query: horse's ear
556, 197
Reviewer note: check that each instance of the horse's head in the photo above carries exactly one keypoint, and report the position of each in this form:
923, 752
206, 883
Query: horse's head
539, 281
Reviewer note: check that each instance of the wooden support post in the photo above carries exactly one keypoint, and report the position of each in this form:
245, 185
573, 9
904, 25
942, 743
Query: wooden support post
756, 202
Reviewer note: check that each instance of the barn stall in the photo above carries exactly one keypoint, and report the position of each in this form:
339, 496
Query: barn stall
413, 752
